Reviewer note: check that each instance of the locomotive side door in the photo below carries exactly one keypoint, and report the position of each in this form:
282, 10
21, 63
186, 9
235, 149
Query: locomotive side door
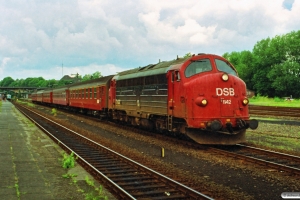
170, 106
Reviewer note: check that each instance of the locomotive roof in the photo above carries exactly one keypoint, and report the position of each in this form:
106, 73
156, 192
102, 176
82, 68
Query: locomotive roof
92, 83
149, 70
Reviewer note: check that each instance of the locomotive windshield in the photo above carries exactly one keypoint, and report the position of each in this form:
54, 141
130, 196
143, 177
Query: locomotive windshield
225, 67
197, 67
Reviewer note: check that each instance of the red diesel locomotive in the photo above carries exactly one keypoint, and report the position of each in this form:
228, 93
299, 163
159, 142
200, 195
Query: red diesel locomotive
199, 96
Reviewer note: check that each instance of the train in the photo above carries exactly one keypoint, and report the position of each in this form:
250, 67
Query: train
5, 97
200, 96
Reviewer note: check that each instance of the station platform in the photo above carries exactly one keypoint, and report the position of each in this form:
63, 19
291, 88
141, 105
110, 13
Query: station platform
31, 163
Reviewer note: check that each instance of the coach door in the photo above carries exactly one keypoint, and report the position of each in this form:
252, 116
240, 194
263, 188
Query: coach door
102, 98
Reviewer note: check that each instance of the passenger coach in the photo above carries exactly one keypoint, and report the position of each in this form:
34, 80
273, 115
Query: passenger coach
90, 96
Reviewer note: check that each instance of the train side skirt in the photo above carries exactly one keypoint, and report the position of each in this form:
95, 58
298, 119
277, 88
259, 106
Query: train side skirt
215, 137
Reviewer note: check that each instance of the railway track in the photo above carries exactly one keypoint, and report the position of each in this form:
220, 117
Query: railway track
271, 159
274, 111
125, 178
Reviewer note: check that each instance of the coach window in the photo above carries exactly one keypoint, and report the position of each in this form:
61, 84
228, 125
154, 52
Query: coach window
90, 90
225, 67
95, 93
197, 66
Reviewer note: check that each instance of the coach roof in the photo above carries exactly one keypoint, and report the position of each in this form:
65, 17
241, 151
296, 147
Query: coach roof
92, 83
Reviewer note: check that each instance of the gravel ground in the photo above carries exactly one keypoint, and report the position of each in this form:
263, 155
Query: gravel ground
219, 177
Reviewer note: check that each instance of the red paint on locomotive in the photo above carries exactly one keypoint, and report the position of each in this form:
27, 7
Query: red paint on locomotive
200, 96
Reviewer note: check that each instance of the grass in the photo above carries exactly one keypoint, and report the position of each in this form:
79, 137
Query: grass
276, 137
279, 137
29, 104
265, 101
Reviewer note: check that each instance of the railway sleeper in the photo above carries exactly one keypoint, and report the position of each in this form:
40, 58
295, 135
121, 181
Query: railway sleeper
132, 179
162, 192
118, 171
125, 174
105, 161
138, 183
143, 187
113, 165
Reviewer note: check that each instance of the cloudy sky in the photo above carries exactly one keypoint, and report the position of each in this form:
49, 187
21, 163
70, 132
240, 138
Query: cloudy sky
52, 38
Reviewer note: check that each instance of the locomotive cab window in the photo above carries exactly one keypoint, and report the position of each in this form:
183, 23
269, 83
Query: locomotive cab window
225, 67
198, 66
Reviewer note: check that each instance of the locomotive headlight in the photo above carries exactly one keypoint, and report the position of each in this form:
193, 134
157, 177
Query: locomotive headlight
245, 101
200, 101
225, 77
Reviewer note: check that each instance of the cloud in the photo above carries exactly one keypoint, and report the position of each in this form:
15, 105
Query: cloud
86, 35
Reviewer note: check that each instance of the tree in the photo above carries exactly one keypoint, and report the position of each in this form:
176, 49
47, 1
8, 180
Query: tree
7, 81
273, 66
97, 74
87, 77
243, 62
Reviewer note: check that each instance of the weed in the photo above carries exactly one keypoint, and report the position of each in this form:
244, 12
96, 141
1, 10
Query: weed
68, 161
89, 182
54, 111
30, 104
69, 175
31, 124
92, 195
18, 191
